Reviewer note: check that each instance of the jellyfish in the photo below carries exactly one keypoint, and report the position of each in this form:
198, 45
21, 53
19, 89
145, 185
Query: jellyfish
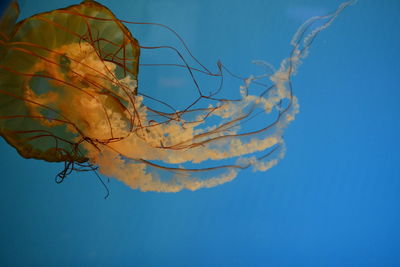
70, 93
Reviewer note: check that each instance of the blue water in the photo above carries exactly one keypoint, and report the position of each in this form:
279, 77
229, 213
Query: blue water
332, 201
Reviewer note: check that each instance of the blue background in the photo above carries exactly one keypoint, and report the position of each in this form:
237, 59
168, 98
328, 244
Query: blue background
332, 201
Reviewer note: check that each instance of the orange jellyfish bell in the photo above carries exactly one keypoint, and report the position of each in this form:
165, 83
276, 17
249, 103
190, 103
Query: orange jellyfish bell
55, 68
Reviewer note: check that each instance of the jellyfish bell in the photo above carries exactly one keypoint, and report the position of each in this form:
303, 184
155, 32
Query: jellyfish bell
63, 75
69, 93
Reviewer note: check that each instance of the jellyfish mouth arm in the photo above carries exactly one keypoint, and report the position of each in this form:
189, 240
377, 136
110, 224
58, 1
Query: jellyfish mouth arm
223, 140
149, 176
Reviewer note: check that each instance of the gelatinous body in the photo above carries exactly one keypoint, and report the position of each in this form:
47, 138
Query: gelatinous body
69, 93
